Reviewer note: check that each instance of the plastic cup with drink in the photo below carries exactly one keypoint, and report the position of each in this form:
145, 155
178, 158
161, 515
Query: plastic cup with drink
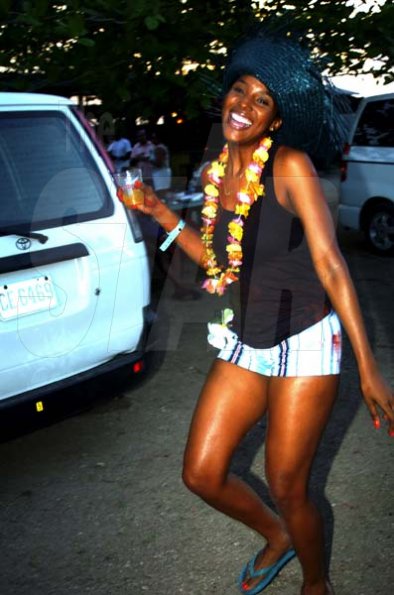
127, 189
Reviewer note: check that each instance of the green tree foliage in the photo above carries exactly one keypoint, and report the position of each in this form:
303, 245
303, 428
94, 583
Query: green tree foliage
130, 53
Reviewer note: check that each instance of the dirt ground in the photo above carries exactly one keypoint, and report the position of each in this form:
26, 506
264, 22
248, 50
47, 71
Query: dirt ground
95, 503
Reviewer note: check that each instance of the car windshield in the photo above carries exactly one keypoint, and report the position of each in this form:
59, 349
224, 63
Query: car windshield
47, 175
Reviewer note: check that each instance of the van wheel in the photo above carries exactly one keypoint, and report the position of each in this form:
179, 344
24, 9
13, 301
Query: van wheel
379, 229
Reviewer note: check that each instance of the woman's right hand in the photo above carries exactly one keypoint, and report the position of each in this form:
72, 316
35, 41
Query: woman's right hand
189, 240
152, 205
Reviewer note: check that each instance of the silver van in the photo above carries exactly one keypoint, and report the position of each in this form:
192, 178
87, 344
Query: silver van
74, 275
367, 177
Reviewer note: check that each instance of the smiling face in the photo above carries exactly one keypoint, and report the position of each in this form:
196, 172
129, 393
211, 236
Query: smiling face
249, 111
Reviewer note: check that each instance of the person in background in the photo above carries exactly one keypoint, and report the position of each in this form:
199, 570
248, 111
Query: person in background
161, 172
120, 150
141, 155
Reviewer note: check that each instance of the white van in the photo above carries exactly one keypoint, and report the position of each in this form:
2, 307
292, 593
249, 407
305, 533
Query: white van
367, 181
74, 276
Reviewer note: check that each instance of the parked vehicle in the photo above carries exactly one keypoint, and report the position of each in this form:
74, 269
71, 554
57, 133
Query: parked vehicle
367, 182
74, 275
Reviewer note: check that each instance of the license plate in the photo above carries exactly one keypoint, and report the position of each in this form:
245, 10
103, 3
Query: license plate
26, 297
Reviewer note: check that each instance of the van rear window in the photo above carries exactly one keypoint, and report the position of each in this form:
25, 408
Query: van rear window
47, 174
375, 127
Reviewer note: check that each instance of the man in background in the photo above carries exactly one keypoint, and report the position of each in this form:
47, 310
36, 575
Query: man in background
119, 151
142, 154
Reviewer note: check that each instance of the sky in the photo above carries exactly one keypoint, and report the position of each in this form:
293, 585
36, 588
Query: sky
364, 84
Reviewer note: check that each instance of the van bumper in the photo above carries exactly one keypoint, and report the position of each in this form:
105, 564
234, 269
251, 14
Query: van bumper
35, 395
134, 362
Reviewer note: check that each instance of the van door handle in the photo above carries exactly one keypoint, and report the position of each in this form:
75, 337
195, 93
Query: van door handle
30, 260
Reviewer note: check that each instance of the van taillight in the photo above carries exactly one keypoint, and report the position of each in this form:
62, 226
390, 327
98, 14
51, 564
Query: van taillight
343, 164
138, 366
343, 170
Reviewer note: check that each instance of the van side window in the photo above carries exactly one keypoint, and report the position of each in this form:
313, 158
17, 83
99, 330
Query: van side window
375, 127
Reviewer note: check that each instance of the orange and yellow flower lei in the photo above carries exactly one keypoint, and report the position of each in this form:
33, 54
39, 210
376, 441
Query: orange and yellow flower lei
219, 277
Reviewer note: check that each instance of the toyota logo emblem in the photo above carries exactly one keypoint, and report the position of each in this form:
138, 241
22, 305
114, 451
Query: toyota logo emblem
23, 244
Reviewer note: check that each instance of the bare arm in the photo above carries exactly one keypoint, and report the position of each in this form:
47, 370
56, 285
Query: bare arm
299, 188
189, 239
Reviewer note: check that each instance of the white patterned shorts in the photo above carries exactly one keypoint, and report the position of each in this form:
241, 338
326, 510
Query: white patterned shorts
316, 351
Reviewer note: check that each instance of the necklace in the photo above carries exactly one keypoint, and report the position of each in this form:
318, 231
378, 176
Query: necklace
218, 277
226, 192
226, 189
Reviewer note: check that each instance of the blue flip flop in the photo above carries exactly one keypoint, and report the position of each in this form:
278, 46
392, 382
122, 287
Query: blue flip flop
269, 573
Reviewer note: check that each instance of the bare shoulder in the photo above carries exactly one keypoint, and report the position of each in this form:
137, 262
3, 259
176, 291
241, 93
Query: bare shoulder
295, 178
292, 162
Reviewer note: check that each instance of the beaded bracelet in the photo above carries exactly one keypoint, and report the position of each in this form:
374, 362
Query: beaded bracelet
172, 235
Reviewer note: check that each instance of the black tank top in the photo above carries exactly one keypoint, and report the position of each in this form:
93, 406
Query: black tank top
279, 293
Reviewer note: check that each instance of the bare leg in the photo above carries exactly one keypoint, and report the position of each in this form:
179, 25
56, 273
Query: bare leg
231, 402
298, 412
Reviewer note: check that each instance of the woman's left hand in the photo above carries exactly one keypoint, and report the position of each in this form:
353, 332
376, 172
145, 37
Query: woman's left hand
379, 399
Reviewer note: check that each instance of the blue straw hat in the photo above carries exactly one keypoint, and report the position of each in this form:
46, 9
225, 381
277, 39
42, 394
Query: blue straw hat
310, 120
